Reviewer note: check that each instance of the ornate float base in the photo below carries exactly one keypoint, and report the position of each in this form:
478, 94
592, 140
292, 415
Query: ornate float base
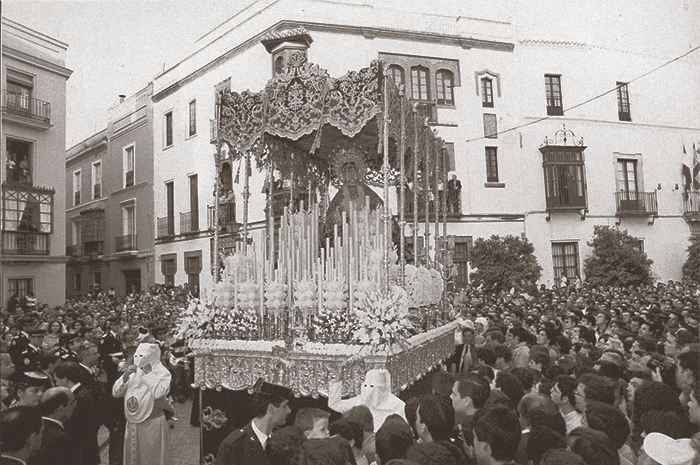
307, 370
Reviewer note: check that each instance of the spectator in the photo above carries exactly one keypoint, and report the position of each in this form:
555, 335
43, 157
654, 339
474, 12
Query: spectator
393, 439
563, 395
56, 407
21, 434
496, 435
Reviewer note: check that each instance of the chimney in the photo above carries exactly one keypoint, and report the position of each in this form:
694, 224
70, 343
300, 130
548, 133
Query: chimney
122, 97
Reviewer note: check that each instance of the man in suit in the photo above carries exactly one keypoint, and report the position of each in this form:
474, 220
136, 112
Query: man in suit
464, 355
84, 423
20, 342
21, 434
247, 445
88, 361
56, 407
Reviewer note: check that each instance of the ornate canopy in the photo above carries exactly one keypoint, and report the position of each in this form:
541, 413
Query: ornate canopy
304, 119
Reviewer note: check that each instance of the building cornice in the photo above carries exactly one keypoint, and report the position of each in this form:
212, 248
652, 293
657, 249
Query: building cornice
367, 32
90, 144
34, 61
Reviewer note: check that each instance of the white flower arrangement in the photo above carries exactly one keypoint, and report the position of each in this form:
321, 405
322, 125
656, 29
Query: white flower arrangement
276, 296
329, 326
424, 286
195, 320
383, 320
335, 296
363, 288
248, 296
305, 295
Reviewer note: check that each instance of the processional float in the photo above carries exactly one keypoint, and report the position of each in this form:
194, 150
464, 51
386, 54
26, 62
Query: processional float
330, 294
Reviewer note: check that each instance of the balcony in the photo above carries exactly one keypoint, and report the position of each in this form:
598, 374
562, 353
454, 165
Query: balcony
74, 250
691, 207
25, 109
129, 178
632, 203
125, 243
189, 223
97, 191
25, 243
427, 110
227, 218
213, 131
453, 204
166, 227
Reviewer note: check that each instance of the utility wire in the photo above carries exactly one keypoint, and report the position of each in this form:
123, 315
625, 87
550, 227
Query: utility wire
590, 99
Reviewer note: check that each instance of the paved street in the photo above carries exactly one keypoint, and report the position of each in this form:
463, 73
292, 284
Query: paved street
185, 438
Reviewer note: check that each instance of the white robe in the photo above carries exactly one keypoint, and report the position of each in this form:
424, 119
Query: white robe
147, 438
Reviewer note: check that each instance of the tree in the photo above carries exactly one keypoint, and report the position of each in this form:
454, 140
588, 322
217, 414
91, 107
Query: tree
691, 267
501, 262
616, 260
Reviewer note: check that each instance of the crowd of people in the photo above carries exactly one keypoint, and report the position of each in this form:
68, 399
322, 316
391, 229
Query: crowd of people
102, 359
569, 375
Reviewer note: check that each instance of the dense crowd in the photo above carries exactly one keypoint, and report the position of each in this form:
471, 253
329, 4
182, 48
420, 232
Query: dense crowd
568, 375
63, 363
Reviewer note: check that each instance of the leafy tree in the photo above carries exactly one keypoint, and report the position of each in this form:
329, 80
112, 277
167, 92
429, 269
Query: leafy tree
691, 267
502, 261
616, 259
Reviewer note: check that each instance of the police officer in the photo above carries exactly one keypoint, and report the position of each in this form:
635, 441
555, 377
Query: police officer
110, 344
32, 357
69, 344
20, 342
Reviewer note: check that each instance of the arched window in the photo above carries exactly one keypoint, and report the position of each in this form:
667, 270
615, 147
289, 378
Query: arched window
397, 74
420, 88
279, 64
445, 85
226, 178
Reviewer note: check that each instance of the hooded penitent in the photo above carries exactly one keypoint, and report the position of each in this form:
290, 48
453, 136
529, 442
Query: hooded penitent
139, 398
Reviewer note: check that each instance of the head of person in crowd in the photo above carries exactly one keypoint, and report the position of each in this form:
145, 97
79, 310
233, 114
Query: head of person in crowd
503, 356
30, 386
688, 370
57, 403
494, 336
393, 439
285, 445
636, 323
526, 378
435, 418
670, 423
469, 393
88, 354
486, 356
442, 383
594, 387
542, 440
561, 457
21, 432
609, 420
350, 431
429, 453
593, 446
496, 435
509, 385
531, 403
538, 360
270, 405
7, 368
322, 452
313, 422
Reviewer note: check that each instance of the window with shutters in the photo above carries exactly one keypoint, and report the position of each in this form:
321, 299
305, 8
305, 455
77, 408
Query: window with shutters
168, 129
491, 164
129, 165
397, 74
623, 102
565, 259
487, 92
168, 267
97, 180
77, 186
564, 177
420, 87
192, 128
552, 85
445, 87
193, 267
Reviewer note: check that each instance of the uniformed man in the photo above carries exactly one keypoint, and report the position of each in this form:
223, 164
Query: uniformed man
32, 357
69, 345
20, 342
109, 344
247, 445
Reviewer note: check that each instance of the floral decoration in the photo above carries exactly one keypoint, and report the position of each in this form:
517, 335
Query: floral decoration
383, 320
247, 296
305, 295
275, 296
335, 296
331, 327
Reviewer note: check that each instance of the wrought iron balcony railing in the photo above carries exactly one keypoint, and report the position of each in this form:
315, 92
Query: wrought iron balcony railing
453, 202
125, 243
166, 226
188, 223
633, 203
691, 202
25, 243
227, 217
427, 110
25, 106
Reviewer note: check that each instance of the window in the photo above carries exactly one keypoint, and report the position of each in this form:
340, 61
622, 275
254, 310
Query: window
193, 267
169, 129
623, 102
19, 286
638, 245
396, 73
552, 85
565, 259
491, 164
77, 185
168, 266
97, 280
170, 206
445, 86
226, 177
193, 119
97, 180
564, 177
420, 89
77, 283
460, 259
19, 90
279, 65
626, 178
194, 203
486, 92
27, 211
129, 165
19, 162
128, 239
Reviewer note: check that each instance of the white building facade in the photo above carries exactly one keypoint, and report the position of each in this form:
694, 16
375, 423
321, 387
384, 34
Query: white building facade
495, 83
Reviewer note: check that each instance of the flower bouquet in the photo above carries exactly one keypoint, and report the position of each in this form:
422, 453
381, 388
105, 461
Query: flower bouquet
383, 320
